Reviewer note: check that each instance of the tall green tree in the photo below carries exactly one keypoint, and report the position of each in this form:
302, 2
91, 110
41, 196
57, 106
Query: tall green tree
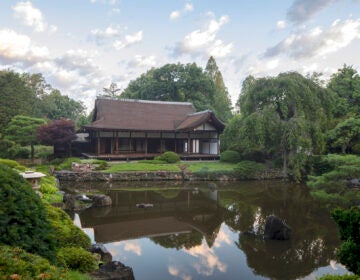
55, 106
15, 97
22, 130
282, 118
222, 101
174, 82
345, 85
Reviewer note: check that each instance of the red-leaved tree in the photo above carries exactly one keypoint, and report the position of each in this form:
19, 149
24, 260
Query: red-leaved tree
58, 133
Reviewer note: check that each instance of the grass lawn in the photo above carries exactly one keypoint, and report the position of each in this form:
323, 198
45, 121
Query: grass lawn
174, 167
140, 166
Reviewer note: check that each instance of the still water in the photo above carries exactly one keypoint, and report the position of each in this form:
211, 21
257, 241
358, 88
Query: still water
199, 230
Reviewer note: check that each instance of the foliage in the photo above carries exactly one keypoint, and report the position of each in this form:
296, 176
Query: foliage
55, 106
5, 146
16, 98
245, 169
222, 101
230, 156
339, 277
49, 190
210, 166
66, 164
16, 261
349, 227
345, 85
56, 132
66, 233
19, 152
345, 135
331, 180
12, 164
283, 117
23, 220
22, 130
76, 259
169, 157
174, 82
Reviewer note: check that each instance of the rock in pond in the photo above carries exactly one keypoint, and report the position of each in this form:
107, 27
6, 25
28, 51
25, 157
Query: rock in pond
276, 229
114, 271
100, 249
101, 200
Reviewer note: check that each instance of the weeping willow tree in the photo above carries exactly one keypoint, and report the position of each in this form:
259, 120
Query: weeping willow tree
282, 118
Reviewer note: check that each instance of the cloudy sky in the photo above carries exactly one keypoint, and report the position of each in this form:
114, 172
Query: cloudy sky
81, 46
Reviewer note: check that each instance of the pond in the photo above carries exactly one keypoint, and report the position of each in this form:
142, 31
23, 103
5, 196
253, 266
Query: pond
199, 230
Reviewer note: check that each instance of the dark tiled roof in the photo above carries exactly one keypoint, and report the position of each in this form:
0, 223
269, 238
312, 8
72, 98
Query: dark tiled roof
144, 115
196, 119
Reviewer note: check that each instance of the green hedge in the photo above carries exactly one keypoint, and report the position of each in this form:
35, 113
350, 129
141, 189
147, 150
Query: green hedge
23, 219
169, 157
230, 156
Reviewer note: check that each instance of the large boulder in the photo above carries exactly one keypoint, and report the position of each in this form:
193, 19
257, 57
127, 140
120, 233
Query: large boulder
101, 200
69, 201
114, 271
100, 249
276, 229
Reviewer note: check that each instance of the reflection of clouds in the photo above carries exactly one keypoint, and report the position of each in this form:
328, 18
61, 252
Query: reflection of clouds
174, 271
206, 257
133, 247
222, 237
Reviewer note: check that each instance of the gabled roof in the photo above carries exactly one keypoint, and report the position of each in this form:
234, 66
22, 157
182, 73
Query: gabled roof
145, 115
196, 119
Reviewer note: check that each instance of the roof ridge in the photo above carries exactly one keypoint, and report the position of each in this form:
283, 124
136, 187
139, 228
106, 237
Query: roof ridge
146, 101
201, 112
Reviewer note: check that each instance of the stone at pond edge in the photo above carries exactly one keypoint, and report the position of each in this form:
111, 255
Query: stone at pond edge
276, 229
101, 200
114, 271
100, 249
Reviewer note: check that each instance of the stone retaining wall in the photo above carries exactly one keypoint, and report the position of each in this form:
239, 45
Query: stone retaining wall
164, 176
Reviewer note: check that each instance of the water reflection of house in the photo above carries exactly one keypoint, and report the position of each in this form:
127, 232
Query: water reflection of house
184, 213
125, 128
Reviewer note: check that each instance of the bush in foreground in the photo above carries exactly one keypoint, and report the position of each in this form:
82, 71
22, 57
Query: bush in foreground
23, 221
76, 259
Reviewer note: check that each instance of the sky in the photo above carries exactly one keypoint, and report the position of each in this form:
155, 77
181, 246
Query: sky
82, 46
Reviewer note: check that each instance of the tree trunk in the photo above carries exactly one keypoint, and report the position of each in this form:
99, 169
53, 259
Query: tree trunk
343, 149
32, 151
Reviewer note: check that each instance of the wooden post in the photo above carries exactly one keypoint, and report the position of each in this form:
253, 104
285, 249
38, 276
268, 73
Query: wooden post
98, 143
117, 142
130, 143
175, 148
161, 143
188, 148
146, 143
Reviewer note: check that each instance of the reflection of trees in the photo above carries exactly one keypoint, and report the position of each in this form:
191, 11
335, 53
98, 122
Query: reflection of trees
179, 241
285, 259
313, 239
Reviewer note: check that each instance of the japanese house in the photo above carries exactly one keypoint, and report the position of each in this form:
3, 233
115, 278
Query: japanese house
127, 128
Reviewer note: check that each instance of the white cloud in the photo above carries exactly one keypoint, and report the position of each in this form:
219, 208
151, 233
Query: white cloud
174, 15
115, 11
31, 16
317, 42
280, 24
100, 36
129, 40
189, 7
16, 47
142, 61
204, 41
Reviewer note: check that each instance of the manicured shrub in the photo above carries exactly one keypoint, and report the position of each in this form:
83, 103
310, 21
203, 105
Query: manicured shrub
23, 221
76, 259
16, 261
230, 156
245, 169
19, 152
169, 157
339, 277
101, 165
66, 233
42, 151
48, 185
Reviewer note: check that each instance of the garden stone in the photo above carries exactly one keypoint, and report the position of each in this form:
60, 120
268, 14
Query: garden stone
100, 249
101, 200
114, 271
